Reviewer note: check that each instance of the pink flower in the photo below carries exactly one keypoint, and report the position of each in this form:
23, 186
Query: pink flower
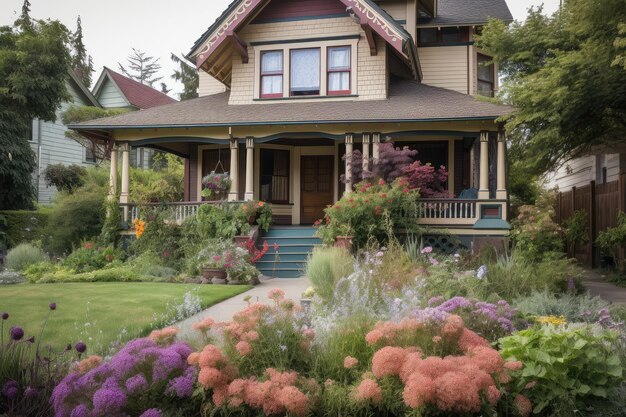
388, 361
368, 389
349, 362
294, 400
211, 378
243, 348
276, 294
433, 261
419, 391
456, 392
523, 405
427, 249
437, 339
210, 356
204, 324
514, 365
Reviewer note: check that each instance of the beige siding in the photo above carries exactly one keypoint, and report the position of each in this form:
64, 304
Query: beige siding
445, 66
396, 8
209, 85
372, 70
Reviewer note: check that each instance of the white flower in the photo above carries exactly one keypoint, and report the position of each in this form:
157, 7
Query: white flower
283, 348
482, 272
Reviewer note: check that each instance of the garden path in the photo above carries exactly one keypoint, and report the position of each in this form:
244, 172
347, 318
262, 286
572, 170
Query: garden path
597, 284
225, 310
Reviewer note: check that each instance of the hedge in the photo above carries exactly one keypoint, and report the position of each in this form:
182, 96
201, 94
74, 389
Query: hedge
24, 226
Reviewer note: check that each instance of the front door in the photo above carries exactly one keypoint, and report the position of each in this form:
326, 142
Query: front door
316, 187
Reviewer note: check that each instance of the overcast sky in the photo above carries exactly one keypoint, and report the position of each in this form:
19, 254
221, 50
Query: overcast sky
112, 27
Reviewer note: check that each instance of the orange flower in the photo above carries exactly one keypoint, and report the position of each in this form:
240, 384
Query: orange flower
261, 204
140, 227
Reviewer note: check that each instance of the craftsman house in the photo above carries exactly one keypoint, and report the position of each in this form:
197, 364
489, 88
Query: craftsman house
287, 87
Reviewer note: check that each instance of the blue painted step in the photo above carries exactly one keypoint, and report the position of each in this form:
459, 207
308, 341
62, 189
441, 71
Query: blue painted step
294, 246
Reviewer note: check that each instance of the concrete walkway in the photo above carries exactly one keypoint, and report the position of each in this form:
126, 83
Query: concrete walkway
598, 284
224, 311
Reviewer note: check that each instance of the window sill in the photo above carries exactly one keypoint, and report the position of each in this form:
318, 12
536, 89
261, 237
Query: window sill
307, 97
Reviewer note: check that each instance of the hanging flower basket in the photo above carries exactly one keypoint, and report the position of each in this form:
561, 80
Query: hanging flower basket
216, 186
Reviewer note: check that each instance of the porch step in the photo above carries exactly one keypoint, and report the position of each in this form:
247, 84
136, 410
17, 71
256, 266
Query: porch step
294, 246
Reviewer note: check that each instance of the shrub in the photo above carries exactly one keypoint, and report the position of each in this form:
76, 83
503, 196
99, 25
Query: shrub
65, 178
90, 256
430, 182
325, 267
23, 226
23, 255
612, 239
158, 185
575, 230
581, 308
569, 366
159, 236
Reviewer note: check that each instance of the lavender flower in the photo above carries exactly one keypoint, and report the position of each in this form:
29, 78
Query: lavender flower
30, 393
136, 383
11, 390
80, 411
53, 306
182, 386
80, 347
109, 400
5, 316
17, 333
152, 412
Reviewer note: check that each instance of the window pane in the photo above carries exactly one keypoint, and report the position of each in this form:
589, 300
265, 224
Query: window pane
450, 35
339, 58
428, 35
485, 72
272, 62
339, 81
305, 72
271, 84
485, 88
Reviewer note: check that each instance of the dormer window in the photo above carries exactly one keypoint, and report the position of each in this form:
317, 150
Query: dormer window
272, 74
339, 65
305, 72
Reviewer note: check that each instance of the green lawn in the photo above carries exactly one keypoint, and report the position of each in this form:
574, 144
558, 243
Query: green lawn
100, 313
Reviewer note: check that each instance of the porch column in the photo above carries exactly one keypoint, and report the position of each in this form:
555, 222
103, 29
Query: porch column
366, 151
234, 170
501, 181
124, 194
349, 149
249, 169
483, 191
376, 146
113, 174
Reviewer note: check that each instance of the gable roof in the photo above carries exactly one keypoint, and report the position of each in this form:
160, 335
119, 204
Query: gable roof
467, 12
409, 101
136, 94
81, 88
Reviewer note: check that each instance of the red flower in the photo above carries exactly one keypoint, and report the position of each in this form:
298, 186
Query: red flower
405, 191
378, 210
88, 245
381, 182
166, 254
317, 222
261, 204
383, 195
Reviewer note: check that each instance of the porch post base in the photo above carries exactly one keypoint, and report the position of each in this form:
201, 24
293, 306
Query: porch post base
501, 195
249, 196
233, 196
483, 194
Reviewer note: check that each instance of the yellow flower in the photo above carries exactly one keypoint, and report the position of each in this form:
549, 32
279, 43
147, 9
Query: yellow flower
554, 320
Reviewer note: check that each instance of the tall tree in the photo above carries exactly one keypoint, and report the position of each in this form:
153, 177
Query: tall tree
24, 22
82, 63
142, 68
34, 58
186, 74
559, 74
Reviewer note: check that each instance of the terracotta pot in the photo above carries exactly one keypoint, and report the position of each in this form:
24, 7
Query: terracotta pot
241, 241
344, 242
213, 273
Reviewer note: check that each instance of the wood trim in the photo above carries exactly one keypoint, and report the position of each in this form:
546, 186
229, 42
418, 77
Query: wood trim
369, 35
240, 46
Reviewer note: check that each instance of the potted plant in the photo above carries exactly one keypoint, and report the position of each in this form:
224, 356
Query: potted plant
345, 236
216, 186
214, 271
243, 228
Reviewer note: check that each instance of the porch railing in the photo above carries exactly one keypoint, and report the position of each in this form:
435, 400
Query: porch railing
180, 210
454, 211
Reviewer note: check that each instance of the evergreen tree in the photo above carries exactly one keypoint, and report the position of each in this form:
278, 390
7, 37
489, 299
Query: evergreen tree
187, 74
82, 63
33, 70
164, 88
142, 68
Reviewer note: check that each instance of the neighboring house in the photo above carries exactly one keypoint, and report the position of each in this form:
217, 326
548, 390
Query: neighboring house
50, 144
116, 91
602, 167
288, 87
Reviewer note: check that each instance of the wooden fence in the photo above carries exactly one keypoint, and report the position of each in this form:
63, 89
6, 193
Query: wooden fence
601, 202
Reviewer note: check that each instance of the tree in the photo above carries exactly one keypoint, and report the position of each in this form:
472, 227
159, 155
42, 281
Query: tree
559, 74
187, 74
82, 63
142, 68
33, 70
164, 88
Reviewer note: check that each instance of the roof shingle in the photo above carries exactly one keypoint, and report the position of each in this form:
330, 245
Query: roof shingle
468, 12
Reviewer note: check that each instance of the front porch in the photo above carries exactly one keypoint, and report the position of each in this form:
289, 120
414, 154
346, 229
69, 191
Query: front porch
300, 174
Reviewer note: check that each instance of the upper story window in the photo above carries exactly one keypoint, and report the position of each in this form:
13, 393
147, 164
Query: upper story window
305, 72
447, 35
272, 74
339, 67
486, 76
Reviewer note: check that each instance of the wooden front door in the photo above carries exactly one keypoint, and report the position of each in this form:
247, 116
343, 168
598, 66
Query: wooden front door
316, 187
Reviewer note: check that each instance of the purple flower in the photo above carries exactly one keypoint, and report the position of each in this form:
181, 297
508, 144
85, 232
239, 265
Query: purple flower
165, 364
53, 306
136, 383
152, 412
182, 386
430, 315
435, 301
80, 411
108, 400
10, 390
16, 333
80, 347
5, 316
30, 393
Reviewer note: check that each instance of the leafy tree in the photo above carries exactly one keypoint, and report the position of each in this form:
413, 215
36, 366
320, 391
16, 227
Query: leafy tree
142, 68
81, 62
65, 178
188, 76
565, 76
33, 69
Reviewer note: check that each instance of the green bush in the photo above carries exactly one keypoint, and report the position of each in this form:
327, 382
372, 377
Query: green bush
161, 237
325, 267
65, 178
22, 226
158, 185
572, 366
23, 255
575, 229
582, 308
90, 256
612, 239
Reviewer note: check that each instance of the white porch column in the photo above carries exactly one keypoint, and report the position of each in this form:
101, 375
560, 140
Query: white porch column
234, 170
113, 174
376, 146
349, 149
249, 169
501, 179
366, 151
483, 191
124, 194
